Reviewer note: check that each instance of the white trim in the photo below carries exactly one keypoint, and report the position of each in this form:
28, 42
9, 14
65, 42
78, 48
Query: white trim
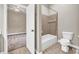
16, 33
2, 53
30, 26
77, 51
74, 46
5, 29
39, 52
39, 28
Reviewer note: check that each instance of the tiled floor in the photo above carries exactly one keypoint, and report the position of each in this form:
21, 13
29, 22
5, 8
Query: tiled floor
56, 49
22, 50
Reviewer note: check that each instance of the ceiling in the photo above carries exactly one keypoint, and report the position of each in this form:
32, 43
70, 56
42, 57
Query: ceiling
18, 7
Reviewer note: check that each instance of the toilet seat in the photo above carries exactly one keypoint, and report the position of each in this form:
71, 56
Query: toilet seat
64, 41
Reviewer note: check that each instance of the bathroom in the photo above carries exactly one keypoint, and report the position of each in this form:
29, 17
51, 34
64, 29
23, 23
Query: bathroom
18, 33
67, 19
13, 29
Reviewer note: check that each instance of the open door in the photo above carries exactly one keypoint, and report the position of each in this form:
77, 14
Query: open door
30, 28
4, 26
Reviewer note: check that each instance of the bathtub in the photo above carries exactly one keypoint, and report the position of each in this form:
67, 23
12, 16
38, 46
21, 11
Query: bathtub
48, 40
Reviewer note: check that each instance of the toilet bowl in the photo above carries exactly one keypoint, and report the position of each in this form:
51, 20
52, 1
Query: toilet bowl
66, 40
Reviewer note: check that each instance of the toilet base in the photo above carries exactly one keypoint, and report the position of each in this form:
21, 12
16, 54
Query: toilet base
65, 49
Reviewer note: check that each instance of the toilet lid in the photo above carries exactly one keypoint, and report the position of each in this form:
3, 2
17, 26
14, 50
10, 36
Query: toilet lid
65, 40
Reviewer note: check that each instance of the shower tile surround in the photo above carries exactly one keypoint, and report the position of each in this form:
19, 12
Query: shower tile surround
17, 44
16, 41
16, 22
49, 25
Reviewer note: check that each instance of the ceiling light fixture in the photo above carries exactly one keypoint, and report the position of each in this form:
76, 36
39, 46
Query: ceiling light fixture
17, 9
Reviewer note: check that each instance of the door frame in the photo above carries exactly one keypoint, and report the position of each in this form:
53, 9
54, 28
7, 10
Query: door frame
38, 28
5, 30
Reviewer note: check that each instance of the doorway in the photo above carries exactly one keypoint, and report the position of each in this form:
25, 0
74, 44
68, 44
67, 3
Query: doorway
16, 29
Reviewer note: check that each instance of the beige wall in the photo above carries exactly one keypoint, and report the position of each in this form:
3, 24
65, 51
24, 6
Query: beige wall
1, 16
49, 24
44, 24
68, 18
16, 22
49, 21
1, 27
1, 43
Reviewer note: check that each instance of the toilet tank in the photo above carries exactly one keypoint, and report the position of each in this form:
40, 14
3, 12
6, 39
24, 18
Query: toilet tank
67, 35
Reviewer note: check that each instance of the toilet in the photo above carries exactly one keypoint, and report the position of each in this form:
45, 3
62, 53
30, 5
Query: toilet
66, 40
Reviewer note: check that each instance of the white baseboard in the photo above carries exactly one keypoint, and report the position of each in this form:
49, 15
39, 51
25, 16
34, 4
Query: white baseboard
2, 53
39, 52
77, 51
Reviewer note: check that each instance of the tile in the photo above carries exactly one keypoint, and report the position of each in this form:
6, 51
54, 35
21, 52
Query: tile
22, 50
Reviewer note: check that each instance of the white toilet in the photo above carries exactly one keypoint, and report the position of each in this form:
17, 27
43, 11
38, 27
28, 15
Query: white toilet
67, 37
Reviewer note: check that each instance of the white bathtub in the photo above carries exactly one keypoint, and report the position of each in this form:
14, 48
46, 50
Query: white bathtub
48, 40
